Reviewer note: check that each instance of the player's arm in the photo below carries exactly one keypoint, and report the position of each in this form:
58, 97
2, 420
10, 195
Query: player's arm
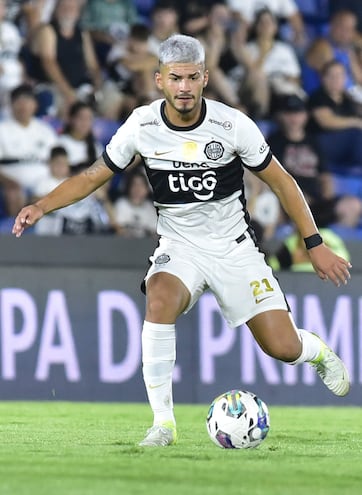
327, 264
68, 192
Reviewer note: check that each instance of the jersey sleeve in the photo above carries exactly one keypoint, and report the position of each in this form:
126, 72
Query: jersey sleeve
251, 145
122, 148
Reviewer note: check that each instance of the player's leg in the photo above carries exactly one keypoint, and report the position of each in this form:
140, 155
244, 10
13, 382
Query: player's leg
167, 298
277, 335
247, 291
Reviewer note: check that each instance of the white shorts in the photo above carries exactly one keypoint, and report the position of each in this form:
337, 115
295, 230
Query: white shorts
242, 282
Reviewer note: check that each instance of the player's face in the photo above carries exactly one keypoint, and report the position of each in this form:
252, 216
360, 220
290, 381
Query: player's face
182, 84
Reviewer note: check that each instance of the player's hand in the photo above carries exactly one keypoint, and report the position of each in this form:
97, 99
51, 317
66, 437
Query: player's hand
329, 266
27, 217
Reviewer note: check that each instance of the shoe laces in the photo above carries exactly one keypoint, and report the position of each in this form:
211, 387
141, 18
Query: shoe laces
325, 364
156, 428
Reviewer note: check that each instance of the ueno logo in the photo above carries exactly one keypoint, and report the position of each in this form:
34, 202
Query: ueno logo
202, 187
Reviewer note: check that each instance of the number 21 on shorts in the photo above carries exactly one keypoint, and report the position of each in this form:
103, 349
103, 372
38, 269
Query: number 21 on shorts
261, 289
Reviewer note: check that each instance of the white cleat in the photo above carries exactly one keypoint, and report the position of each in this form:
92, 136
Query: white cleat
160, 436
332, 371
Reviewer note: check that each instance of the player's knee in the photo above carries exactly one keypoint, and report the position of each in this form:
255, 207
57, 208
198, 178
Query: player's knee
156, 307
162, 310
166, 299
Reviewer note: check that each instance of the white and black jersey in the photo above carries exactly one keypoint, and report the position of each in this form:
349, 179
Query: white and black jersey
196, 172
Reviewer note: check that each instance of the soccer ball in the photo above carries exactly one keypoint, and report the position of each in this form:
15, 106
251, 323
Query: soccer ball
237, 419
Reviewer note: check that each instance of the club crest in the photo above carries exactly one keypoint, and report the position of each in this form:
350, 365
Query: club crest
214, 150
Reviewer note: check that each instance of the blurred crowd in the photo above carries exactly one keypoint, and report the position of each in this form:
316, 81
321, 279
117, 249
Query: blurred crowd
71, 71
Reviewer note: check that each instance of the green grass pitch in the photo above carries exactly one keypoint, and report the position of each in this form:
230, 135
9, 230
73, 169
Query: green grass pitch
58, 448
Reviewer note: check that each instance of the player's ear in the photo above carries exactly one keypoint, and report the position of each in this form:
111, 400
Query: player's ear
206, 78
158, 80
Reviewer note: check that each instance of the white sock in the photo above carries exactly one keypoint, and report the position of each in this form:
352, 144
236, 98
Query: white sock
158, 356
311, 347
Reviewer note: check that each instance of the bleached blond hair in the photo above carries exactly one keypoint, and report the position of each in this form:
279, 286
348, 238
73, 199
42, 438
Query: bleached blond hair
180, 48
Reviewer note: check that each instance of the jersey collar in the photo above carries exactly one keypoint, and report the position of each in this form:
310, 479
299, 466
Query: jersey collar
182, 128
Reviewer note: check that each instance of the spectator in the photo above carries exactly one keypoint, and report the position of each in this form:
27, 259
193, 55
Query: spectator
282, 9
108, 22
33, 13
220, 61
332, 108
78, 139
194, 15
249, 80
292, 254
315, 58
63, 60
11, 69
298, 149
335, 119
38, 10
263, 206
13, 8
354, 6
134, 212
355, 91
300, 154
164, 23
25, 141
275, 58
12, 196
89, 216
132, 67
341, 36
144, 8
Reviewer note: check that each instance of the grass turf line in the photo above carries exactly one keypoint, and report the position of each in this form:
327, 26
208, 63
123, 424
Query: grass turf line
59, 448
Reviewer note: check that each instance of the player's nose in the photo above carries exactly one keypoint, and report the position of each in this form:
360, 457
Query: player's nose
185, 85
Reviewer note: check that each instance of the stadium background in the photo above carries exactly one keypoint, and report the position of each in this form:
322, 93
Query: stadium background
71, 314
71, 319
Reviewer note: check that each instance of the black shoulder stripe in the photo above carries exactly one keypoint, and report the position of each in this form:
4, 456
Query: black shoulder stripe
109, 162
112, 165
263, 165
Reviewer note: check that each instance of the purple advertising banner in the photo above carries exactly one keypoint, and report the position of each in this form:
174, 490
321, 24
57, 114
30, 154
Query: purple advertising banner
75, 334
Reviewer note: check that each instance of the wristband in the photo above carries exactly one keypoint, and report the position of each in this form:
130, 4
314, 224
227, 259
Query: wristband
313, 241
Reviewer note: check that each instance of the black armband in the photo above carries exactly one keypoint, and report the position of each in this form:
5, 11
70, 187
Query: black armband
313, 241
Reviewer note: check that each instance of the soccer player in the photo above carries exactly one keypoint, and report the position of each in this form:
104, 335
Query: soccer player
194, 151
